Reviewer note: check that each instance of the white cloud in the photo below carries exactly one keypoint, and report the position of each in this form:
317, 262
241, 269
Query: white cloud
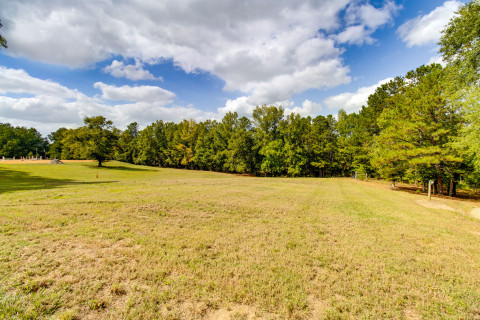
49, 109
18, 81
355, 35
132, 72
325, 74
149, 94
363, 20
280, 47
375, 17
353, 101
50, 105
242, 106
239, 105
426, 29
437, 59
308, 108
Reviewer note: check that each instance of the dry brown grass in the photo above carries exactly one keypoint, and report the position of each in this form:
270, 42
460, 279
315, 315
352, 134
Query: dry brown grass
151, 243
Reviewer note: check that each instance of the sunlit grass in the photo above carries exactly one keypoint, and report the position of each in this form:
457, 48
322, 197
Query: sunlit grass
147, 243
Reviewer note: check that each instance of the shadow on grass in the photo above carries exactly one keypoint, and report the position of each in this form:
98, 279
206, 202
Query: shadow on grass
13, 180
120, 168
461, 194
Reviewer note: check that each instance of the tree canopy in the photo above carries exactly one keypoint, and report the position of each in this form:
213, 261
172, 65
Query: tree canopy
460, 45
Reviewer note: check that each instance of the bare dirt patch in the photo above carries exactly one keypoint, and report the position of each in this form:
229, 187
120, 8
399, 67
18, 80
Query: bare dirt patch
434, 205
475, 213
411, 314
238, 312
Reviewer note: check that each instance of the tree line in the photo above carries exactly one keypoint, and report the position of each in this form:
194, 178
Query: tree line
422, 126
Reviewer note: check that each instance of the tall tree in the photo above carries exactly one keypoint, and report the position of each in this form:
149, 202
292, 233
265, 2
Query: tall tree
205, 149
56, 143
470, 138
240, 156
127, 144
147, 148
294, 131
322, 146
267, 121
460, 42
419, 127
99, 138
20, 141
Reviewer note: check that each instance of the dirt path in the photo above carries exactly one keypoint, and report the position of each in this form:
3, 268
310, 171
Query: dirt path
475, 213
434, 204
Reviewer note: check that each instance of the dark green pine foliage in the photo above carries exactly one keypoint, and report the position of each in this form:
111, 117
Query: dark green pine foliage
418, 128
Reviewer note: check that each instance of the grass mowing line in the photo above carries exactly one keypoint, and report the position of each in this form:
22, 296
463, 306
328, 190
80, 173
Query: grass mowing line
143, 242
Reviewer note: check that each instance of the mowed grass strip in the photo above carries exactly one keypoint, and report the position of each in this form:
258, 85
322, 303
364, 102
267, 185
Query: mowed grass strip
148, 243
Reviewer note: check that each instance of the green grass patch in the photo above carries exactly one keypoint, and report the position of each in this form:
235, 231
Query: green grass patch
149, 243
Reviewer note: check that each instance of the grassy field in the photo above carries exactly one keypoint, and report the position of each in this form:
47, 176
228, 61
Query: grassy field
150, 243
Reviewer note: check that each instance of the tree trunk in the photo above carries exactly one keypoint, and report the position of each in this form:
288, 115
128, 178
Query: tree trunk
455, 177
450, 188
393, 183
439, 179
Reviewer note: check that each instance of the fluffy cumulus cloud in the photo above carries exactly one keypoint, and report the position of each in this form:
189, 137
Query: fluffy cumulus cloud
308, 108
147, 94
425, 29
29, 98
19, 81
268, 49
363, 20
48, 105
242, 106
353, 101
134, 72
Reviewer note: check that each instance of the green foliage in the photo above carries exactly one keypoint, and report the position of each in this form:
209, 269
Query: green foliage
470, 138
322, 146
146, 145
56, 147
127, 144
98, 138
295, 132
418, 128
20, 142
460, 45
273, 161
3, 41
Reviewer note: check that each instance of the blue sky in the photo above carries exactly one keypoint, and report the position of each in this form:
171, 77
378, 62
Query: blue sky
172, 60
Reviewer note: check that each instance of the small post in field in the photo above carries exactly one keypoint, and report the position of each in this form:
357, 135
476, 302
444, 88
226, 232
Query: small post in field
430, 182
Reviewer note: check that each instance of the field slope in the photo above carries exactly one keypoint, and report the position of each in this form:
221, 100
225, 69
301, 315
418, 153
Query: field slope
149, 243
